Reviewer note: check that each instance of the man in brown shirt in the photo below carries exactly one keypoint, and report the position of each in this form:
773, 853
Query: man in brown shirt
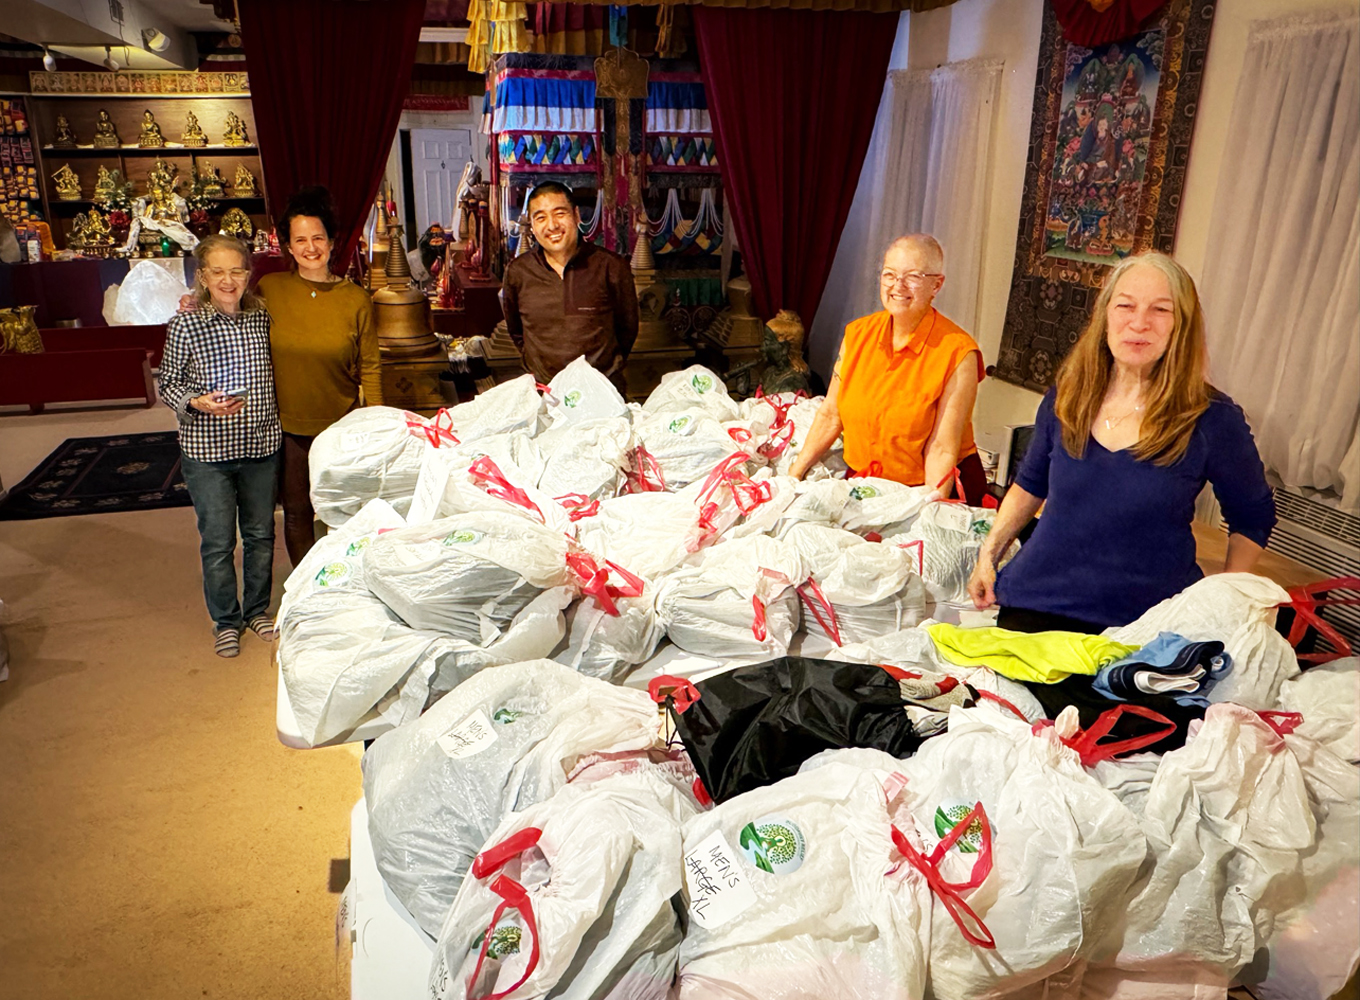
566, 298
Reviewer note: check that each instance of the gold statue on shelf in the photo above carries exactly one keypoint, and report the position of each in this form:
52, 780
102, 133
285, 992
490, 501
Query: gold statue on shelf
211, 180
66, 139
244, 184
105, 135
193, 136
150, 137
91, 233
237, 223
235, 134
67, 184
160, 213
104, 185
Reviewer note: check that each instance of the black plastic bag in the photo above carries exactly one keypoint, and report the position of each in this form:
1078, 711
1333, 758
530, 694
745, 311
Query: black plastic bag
754, 725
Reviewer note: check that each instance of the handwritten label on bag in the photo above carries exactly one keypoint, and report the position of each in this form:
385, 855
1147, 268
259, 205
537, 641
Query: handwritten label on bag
718, 889
471, 737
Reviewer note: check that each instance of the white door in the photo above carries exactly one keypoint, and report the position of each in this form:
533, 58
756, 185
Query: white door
438, 156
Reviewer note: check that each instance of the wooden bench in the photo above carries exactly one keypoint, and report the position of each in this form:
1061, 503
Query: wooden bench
84, 364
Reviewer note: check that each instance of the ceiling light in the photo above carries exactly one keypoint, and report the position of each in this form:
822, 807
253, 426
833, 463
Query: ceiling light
110, 63
155, 40
49, 60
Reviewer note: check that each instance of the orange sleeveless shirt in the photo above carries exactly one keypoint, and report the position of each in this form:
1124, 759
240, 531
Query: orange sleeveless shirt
889, 399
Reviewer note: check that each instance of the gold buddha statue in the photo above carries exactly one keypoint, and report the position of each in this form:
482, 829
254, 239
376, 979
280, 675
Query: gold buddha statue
66, 139
244, 184
193, 136
235, 134
150, 137
160, 190
95, 234
67, 184
103, 185
211, 181
105, 135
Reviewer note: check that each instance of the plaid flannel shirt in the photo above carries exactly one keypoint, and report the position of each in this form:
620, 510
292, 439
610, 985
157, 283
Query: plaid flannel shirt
208, 351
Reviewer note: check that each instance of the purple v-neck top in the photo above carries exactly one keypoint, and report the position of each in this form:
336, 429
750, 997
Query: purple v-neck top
1115, 534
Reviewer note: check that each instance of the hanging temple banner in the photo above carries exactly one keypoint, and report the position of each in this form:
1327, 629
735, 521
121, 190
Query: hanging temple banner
1109, 144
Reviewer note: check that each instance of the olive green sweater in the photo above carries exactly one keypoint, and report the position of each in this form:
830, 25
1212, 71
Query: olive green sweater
325, 349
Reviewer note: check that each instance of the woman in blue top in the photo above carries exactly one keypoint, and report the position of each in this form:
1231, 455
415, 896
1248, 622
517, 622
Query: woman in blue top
1123, 444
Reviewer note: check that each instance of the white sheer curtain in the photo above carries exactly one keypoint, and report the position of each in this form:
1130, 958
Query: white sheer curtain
926, 171
1282, 275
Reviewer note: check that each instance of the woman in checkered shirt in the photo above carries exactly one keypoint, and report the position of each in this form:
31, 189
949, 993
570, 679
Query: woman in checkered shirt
217, 376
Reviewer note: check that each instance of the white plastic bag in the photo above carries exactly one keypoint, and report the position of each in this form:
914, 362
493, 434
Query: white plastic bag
832, 465
466, 575
1237, 609
1227, 821
343, 653
1328, 698
580, 393
336, 561
1315, 948
510, 406
503, 740
950, 536
685, 444
643, 532
789, 893
737, 602
586, 458
695, 387
1066, 853
871, 587
372, 452
575, 895
884, 506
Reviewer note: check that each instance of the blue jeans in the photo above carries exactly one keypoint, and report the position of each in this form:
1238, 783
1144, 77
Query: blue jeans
223, 493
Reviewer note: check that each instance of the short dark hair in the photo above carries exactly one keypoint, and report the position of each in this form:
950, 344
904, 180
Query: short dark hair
315, 202
549, 187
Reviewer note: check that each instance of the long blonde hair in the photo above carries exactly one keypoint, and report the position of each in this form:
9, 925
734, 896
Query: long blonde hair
219, 241
1179, 391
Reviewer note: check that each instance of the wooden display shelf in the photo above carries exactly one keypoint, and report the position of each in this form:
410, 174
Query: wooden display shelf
57, 152
63, 208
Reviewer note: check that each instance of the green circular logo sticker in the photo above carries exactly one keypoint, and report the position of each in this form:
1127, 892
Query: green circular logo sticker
950, 815
357, 546
863, 492
980, 527
505, 941
505, 716
572, 398
332, 573
701, 383
462, 536
678, 424
773, 844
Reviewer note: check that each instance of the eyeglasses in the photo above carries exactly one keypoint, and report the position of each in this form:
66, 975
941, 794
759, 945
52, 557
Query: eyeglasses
916, 278
217, 273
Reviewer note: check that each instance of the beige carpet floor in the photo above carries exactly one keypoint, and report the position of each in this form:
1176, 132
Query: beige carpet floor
156, 840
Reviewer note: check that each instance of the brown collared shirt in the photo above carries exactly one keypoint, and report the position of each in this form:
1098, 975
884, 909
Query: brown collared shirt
590, 310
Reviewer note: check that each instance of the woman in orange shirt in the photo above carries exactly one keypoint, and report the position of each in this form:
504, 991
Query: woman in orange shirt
905, 383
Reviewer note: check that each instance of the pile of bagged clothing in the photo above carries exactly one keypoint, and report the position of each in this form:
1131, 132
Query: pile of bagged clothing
866, 799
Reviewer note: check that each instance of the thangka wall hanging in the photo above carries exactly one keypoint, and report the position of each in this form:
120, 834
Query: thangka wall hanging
1109, 144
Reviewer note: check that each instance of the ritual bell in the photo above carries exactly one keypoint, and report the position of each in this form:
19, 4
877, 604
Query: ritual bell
402, 312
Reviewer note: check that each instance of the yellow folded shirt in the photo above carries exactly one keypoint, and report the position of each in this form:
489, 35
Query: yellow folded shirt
1041, 657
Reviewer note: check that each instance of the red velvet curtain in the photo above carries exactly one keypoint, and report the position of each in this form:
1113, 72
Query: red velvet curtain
792, 95
327, 80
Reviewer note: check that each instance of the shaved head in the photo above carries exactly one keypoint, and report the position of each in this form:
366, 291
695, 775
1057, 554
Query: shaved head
928, 250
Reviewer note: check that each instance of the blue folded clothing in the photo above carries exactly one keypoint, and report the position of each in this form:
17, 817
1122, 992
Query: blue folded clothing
1170, 665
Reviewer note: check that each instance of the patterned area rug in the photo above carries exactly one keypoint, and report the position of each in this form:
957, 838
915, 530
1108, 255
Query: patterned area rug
101, 474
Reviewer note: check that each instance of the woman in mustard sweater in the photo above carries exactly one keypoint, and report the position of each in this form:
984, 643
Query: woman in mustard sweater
325, 350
